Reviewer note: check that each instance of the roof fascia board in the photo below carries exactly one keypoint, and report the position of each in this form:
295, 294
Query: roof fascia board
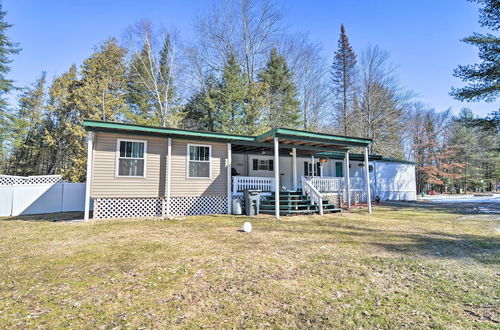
92, 125
319, 140
288, 131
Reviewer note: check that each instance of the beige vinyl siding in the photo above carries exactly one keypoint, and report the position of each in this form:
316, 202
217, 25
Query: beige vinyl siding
105, 183
184, 186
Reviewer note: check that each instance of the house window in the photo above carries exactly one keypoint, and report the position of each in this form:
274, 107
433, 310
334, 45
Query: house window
339, 171
310, 171
199, 161
131, 158
263, 165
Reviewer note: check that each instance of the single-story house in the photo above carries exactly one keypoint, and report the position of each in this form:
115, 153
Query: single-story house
136, 170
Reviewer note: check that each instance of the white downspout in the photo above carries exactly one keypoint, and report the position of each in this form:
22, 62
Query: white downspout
228, 186
367, 181
90, 147
294, 169
347, 179
276, 179
169, 170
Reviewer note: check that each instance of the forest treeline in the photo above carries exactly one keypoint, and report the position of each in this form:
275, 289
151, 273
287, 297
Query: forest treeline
243, 73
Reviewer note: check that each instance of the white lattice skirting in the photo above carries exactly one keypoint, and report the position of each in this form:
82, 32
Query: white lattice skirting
105, 208
6, 180
198, 205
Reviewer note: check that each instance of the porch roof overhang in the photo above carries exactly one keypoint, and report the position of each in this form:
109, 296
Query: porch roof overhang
305, 142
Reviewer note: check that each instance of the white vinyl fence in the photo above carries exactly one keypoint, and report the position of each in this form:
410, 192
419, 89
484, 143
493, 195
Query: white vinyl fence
21, 199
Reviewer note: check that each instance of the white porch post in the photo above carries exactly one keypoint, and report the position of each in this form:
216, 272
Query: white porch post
276, 179
229, 168
313, 167
169, 170
367, 181
90, 147
294, 169
347, 179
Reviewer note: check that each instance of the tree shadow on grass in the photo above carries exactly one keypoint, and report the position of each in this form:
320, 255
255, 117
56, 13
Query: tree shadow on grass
50, 217
464, 208
482, 248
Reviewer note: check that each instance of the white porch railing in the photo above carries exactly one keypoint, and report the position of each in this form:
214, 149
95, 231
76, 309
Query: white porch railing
313, 193
242, 183
335, 184
327, 184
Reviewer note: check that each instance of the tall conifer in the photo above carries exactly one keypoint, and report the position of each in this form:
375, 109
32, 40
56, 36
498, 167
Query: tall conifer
343, 76
282, 105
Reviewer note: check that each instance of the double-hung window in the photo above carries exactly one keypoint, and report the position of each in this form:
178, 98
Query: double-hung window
263, 165
131, 158
199, 161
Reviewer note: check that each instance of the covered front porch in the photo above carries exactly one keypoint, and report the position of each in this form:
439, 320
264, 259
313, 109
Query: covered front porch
315, 164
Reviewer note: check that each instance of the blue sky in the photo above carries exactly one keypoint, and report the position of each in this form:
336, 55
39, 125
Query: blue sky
423, 36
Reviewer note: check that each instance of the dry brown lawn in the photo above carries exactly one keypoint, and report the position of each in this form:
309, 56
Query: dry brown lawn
397, 267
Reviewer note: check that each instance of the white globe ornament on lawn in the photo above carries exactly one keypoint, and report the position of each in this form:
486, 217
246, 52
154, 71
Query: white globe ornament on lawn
247, 227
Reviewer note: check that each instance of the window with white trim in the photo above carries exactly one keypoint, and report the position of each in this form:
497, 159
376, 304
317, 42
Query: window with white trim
263, 165
131, 158
199, 161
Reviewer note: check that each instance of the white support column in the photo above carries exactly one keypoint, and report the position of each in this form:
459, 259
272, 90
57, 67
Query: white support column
294, 169
313, 167
276, 178
90, 148
229, 169
347, 179
367, 181
169, 170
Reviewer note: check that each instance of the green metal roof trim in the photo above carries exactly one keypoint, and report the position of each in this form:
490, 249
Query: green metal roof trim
93, 125
361, 157
313, 135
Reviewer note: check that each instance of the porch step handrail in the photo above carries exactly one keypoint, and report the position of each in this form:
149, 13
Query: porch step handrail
328, 184
242, 183
310, 190
335, 184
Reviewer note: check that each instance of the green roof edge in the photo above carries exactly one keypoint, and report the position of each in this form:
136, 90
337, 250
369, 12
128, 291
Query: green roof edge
93, 124
354, 156
89, 124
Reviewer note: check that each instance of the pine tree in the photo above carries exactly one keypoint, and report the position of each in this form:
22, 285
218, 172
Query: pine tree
282, 106
141, 103
168, 108
103, 84
152, 94
232, 97
27, 135
344, 77
7, 48
483, 78
202, 111
64, 133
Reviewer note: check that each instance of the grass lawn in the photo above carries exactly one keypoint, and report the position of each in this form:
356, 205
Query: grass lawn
398, 267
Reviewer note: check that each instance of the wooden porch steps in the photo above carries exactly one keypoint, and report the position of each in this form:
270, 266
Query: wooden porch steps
294, 202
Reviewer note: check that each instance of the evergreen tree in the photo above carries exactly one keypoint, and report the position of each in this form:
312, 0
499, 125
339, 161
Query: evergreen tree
232, 97
102, 91
168, 107
483, 78
7, 48
152, 95
202, 111
64, 133
27, 135
282, 107
141, 103
344, 75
